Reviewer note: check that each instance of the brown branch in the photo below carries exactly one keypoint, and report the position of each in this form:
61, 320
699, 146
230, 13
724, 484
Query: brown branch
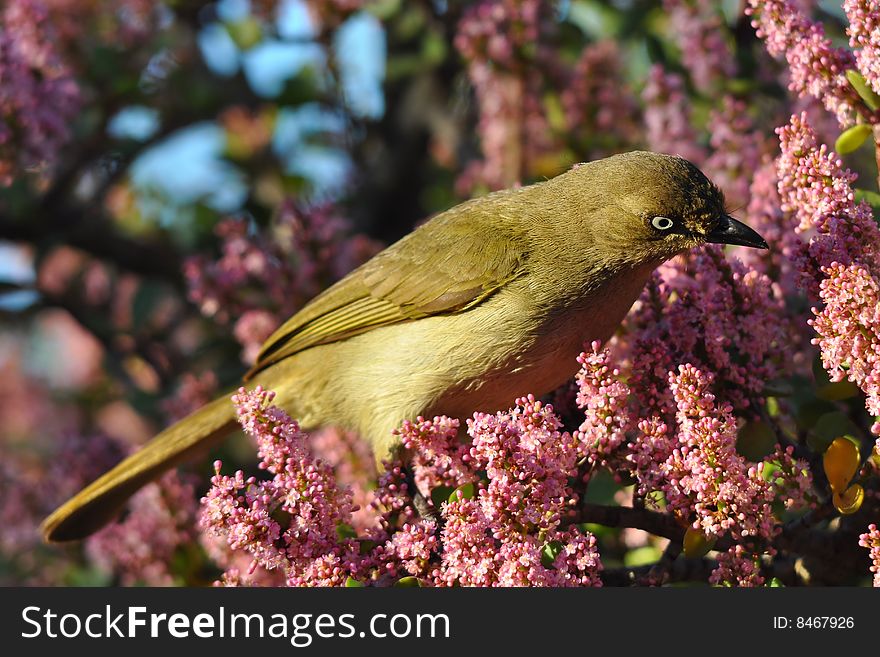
659, 524
77, 227
681, 570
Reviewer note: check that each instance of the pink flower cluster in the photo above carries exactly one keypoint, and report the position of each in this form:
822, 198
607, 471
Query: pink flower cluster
438, 458
497, 31
497, 39
39, 96
716, 314
598, 106
499, 502
704, 474
509, 534
667, 116
354, 466
699, 28
603, 397
871, 540
289, 521
737, 567
34, 478
262, 278
864, 34
194, 392
841, 262
139, 549
764, 213
694, 461
736, 150
815, 66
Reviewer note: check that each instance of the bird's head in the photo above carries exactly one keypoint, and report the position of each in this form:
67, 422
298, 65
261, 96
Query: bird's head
649, 207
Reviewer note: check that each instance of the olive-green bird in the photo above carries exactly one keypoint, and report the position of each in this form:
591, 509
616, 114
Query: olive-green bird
485, 302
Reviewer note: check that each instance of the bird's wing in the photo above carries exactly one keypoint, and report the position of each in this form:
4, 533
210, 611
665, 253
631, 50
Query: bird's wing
449, 264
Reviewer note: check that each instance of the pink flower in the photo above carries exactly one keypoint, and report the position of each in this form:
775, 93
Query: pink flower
864, 34
603, 396
699, 27
39, 96
871, 540
736, 150
291, 519
841, 263
716, 314
848, 329
597, 106
262, 278
704, 473
140, 548
439, 458
500, 41
815, 66
737, 567
503, 530
667, 116
528, 463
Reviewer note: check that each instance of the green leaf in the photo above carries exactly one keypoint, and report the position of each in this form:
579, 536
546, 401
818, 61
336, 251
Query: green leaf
367, 546
408, 583
872, 100
434, 48
696, 544
643, 556
873, 198
755, 441
145, 301
344, 531
463, 492
838, 391
851, 138
778, 388
549, 553
352, 583
830, 390
383, 9
828, 427
441, 494
245, 33
775, 583
768, 472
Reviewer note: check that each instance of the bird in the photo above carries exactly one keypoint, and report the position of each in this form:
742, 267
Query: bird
486, 302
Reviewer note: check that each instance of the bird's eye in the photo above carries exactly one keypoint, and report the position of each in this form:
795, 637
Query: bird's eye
662, 223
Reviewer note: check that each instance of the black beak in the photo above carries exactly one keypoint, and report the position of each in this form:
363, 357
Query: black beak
731, 231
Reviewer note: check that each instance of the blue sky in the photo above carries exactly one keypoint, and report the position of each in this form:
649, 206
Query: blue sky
188, 165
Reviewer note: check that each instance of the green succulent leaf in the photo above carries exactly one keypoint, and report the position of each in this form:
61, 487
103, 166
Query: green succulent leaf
463, 492
441, 494
755, 441
851, 138
408, 583
549, 553
858, 82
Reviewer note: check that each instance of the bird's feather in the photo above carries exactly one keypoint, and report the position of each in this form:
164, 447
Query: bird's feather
97, 503
445, 266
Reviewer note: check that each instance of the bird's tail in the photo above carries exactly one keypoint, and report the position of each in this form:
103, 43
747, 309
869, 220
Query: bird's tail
95, 505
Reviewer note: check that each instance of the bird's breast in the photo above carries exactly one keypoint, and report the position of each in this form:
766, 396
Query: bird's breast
478, 360
530, 348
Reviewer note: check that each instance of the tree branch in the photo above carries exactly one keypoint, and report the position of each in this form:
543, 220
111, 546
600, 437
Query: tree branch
72, 225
